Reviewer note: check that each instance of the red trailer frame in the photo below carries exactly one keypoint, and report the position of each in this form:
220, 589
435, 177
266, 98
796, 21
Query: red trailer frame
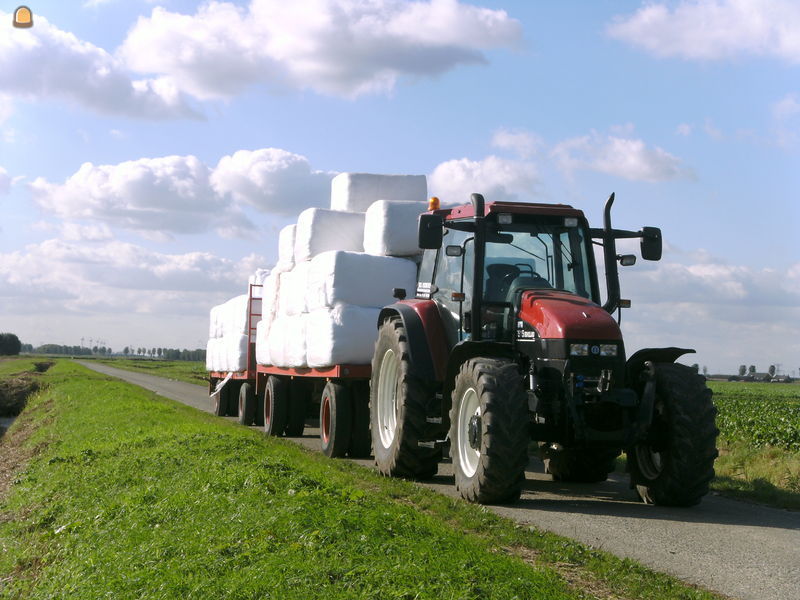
342, 389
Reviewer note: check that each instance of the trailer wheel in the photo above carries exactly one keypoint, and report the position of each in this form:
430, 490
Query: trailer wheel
581, 465
276, 405
335, 420
221, 401
676, 464
360, 437
398, 408
233, 396
247, 404
489, 431
298, 401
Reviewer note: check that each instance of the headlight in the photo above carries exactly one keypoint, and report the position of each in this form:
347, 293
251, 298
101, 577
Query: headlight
579, 349
608, 349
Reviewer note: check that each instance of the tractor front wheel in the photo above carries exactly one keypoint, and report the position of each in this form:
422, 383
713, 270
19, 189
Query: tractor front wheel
398, 408
675, 465
489, 431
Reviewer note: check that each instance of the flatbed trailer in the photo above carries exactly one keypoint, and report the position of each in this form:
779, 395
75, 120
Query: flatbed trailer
283, 400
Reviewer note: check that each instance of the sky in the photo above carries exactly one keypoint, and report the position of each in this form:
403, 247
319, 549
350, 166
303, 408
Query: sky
150, 151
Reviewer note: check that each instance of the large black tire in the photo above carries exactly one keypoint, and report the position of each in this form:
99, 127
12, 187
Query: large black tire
398, 409
335, 420
233, 397
360, 437
676, 465
489, 431
298, 402
582, 465
276, 405
221, 401
247, 404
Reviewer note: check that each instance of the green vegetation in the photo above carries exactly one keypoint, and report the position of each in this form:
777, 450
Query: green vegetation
181, 370
759, 442
132, 496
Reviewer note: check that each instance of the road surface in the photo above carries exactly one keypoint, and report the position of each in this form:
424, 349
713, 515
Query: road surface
742, 550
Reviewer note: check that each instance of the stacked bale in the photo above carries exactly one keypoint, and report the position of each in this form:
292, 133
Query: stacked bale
228, 336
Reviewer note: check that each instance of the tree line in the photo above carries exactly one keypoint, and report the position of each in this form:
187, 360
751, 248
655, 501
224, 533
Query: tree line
166, 353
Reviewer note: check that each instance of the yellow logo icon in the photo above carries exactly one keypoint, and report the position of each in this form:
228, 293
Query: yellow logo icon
23, 17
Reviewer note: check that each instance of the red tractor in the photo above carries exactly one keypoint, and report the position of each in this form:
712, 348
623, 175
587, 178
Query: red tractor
507, 341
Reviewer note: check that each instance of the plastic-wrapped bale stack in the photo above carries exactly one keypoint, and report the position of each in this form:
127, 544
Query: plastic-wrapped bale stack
318, 230
390, 228
228, 336
346, 291
357, 191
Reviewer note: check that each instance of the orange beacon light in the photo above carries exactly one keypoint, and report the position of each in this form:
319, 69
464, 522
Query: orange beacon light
23, 17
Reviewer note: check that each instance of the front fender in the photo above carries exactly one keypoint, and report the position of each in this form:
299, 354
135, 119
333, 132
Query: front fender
635, 363
427, 343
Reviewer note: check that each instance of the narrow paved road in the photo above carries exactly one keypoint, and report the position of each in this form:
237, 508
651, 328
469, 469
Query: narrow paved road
742, 550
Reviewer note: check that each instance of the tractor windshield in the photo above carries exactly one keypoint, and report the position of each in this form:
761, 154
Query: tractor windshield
525, 256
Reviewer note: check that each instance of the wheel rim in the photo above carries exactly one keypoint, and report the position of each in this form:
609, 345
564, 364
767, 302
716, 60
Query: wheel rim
469, 407
387, 397
241, 402
267, 410
325, 426
650, 462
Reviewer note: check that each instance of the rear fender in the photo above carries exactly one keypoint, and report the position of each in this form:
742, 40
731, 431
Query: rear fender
426, 338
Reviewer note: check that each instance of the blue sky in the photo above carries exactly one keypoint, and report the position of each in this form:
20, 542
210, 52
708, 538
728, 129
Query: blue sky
150, 151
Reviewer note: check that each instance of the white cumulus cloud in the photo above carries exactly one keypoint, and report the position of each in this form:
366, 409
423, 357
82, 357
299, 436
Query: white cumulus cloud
498, 179
336, 47
521, 142
160, 197
5, 181
714, 29
628, 158
45, 62
271, 180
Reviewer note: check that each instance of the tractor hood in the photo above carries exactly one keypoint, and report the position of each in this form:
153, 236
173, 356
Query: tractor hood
560, 315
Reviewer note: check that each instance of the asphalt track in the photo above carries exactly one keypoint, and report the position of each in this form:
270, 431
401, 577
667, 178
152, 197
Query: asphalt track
742, 550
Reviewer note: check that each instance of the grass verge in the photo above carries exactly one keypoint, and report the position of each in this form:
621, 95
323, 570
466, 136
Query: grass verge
180, 370
128, 495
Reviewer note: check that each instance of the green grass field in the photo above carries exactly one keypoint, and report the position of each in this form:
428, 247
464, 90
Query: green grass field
128, 495
181, 370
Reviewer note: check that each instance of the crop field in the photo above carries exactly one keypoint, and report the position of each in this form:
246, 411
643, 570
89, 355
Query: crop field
761, 414
181, 370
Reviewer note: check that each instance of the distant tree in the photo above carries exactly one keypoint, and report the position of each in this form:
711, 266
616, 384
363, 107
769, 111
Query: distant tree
705, 370
126, 351
771, 371
27, 348
742, 370
751, 369
9, 344
696, 368
159, 352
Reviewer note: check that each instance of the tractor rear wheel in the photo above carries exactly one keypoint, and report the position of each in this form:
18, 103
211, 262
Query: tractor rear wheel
335, 420
489, 431
398, 403
276, 405
581, 465
247, 404
676, 464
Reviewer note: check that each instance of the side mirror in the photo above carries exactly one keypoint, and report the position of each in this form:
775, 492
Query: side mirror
651, 243
454, 250
627, 260
430, 230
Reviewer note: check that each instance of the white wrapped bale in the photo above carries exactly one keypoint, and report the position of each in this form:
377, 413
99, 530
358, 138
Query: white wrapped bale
293, 285
356, 191
286, 247
287, 341
344, 334
357, 278
390, 228
257, 280
262, 342
235, 348
320, 230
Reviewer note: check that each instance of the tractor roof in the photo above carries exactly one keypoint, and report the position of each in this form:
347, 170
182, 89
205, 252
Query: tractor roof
519, 208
